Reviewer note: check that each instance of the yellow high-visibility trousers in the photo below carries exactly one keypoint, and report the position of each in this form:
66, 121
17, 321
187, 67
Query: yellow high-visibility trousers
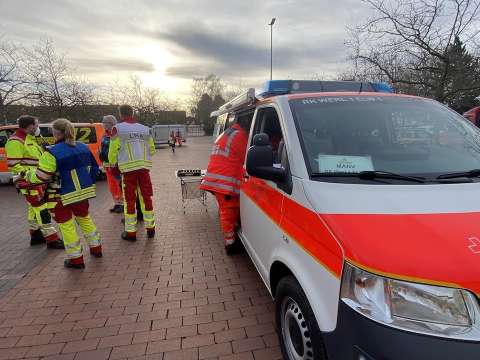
131, 194
39, 219
67, 217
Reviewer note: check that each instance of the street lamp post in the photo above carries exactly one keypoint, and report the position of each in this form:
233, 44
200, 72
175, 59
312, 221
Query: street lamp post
271, 46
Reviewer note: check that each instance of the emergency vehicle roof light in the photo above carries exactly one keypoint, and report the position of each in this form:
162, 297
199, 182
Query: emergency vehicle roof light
382, 87
243, 100
281, 87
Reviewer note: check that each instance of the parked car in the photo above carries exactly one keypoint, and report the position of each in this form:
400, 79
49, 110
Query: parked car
90, 134
368, 242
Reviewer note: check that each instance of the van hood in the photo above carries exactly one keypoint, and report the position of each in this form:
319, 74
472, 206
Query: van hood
423, 233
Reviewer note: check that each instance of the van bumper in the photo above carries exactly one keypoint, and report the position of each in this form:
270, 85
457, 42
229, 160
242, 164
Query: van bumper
5, 177
358, 338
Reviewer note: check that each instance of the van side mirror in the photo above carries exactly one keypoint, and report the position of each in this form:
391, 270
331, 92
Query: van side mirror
260, 160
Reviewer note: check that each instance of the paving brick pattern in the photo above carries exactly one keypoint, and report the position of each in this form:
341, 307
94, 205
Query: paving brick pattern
16, 257
175, 297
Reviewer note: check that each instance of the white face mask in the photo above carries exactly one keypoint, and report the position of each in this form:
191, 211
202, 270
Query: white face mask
37, 132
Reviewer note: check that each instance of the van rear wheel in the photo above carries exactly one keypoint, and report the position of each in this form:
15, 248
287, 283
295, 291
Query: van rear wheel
297, 328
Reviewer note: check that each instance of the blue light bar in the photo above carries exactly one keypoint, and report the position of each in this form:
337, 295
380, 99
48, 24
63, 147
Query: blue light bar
281, 87
382, 87
275, 87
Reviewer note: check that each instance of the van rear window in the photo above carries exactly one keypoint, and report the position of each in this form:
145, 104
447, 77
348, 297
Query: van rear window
84, 134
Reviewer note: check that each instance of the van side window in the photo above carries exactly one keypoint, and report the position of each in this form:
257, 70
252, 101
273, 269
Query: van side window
244, 117
268, 122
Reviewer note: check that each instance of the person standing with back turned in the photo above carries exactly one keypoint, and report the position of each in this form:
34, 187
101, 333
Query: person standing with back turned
76, 168
132, 147
224, 176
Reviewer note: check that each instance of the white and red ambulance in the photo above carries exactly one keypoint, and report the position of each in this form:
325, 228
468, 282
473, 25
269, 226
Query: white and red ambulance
360, 209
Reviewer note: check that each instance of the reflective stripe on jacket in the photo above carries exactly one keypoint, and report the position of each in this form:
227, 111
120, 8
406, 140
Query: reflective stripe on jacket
75, 167
131, 146
23, 152
225, 168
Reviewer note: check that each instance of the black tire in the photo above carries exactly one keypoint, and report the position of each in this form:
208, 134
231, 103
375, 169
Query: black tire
297, 327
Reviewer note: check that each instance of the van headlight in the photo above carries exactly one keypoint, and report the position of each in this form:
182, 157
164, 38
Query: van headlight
426, 309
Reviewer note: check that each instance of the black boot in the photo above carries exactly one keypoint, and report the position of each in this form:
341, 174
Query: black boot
69, 264
150, 233
57, 244
235, 248
36, 238
127, 237
118, 209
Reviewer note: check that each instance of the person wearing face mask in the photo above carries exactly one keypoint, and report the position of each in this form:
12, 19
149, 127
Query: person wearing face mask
23, 154
73, 163
111, 170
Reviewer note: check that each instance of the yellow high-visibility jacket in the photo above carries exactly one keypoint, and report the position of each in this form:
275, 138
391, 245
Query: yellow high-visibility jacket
23, 152
131, 147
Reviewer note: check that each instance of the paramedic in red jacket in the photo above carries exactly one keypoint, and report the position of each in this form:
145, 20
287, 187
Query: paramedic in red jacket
224, 176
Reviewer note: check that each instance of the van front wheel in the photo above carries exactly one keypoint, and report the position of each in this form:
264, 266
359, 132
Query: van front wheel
297, 328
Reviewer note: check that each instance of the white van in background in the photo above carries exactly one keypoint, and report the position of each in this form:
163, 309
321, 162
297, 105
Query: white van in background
161, 133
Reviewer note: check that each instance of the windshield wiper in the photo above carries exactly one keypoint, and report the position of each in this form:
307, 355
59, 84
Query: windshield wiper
372, 175
467, 174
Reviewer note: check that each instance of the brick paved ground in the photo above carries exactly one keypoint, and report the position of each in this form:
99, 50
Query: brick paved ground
176, 297
16, 257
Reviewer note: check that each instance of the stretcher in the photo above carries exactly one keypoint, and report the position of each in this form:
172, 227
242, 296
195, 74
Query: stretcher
190, 186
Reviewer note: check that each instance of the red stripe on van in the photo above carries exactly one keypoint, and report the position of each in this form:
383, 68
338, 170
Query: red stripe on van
437, 249
302, 225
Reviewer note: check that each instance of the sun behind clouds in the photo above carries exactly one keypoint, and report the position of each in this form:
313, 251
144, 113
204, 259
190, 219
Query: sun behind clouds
161, 60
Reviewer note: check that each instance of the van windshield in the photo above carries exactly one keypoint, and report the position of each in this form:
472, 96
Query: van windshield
402, 135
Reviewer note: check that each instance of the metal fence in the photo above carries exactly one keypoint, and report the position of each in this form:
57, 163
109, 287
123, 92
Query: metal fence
195, 130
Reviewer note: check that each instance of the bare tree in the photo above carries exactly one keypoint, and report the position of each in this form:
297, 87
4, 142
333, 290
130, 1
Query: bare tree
134, 92
232, 89
16, 82
418, 45
211, 85
56, 83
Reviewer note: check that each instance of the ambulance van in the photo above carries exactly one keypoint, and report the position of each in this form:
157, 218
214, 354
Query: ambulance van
369, 242
90, 134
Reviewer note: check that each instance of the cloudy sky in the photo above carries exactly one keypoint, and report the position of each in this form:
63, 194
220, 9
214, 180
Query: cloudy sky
168, 42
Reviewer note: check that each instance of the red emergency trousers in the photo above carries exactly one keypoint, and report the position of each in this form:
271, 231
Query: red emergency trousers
229, 213
113, 181
133, 182
224, 176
